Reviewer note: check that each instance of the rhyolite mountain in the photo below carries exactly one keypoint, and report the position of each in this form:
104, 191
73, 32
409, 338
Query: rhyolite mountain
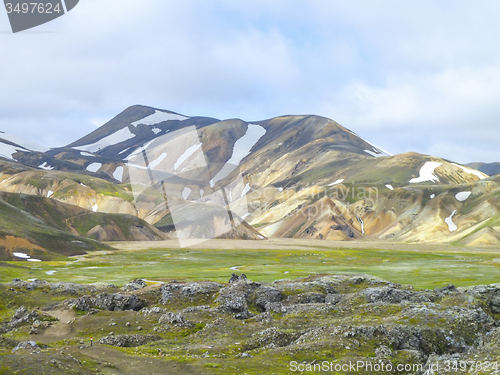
295, 176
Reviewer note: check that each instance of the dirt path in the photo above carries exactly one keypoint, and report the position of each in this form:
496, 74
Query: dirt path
116, 362
60, 330
293, 243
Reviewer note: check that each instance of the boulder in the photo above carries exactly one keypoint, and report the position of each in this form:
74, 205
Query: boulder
270, 338
22, 315
127, 341
265, 295
27, 345
175, 319
108, 301
135, 285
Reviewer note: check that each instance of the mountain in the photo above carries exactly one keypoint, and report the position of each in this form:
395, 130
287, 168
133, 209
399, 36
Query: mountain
24, 235
289, 176
44, 227
491, 169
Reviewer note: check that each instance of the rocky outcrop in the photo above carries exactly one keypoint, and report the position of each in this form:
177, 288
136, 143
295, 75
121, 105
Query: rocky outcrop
357, 318
127, 341
135, 285
107, 301
174, 319
192, 292
21, 316
233, 299
32, 346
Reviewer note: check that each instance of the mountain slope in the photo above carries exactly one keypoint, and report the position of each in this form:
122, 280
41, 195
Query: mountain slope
289, 176
21, 232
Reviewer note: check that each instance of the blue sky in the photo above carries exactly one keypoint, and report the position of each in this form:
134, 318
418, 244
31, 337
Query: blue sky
408, 76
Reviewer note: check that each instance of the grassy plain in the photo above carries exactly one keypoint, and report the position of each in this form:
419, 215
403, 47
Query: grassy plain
421, 265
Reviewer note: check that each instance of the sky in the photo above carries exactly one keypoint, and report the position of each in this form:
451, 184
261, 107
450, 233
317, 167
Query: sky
419, 76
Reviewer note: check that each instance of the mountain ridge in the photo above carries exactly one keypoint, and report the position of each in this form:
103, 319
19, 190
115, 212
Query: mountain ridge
291, 163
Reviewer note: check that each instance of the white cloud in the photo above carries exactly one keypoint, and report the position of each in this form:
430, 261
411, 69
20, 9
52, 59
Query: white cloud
406, 76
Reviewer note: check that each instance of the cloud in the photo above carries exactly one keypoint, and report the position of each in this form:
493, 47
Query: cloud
419, 76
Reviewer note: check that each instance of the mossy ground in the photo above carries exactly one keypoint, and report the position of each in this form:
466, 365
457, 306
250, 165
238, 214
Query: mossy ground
207, 349
422, 267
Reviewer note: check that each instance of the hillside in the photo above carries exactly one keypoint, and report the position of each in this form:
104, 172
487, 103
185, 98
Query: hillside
44, 227
289, 176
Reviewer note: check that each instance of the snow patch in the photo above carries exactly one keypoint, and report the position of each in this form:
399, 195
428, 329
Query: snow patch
94, 167
157, 161
241, 149
235, 268
117, 137
46, 166
433, 196
158, 117
7, 151
388, 186
85, 153
261, 237
155, 130
49, 193
377, 150
449, 220
34, 260
362, 224
427, 173
50, 272
83, 185
337, 182
471, 171
463, 195
189, 152
21, 255
375, 154
201, 193
186, 192
118, 174
280, 189
95, 207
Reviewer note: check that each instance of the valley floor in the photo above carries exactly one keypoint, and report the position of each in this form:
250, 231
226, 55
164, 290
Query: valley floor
421, 265
304, 303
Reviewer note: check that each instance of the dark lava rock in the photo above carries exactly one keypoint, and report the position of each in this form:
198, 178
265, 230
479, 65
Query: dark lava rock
197, 290
108, 301
167, 291
127, 341
29, 285
22, 315
233, 298
449, 289
495, 304
386, 294
265, 295
135, 285
235, 278
175, 319
333, 298
270, 338
27, 345
305, 298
